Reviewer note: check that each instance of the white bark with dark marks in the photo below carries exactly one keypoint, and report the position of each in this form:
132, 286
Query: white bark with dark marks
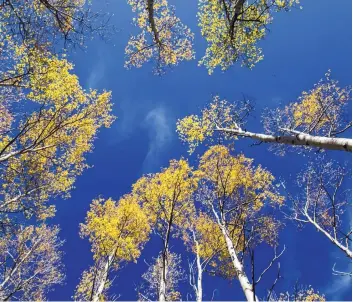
299, 139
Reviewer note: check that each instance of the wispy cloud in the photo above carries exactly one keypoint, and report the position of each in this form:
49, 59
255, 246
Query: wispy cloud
97, 73
145, 117
338, 288
159, 127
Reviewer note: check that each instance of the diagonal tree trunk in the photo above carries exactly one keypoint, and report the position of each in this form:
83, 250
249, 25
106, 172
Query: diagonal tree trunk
198, 285
103, 277
334, 240
298, 139
243, 279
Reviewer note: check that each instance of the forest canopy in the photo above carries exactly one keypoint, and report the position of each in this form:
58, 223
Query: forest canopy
225, 177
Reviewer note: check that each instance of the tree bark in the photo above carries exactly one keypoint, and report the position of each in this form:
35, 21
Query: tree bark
345, 249
162, 285
164, 266
198, 288
154, 29
300, 139
103, 277
18, 264
243, 279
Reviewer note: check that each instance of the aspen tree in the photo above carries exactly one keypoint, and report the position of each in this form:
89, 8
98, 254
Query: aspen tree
29, 26
117, 232
166, 197
204, 239
316, 120
232, 29
150, 288
42, 151
324, 203
236, 191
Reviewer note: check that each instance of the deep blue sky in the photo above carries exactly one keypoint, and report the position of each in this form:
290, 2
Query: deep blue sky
300, 48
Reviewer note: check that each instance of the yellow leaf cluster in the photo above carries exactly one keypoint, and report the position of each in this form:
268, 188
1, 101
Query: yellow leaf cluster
212, 245
236, 175
321, 109
168, 193
116, 227
163, 37
87, 284
47, 150
194, 129
232, 32
303, 294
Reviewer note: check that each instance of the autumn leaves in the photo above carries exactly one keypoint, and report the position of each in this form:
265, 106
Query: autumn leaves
316, 120
231, 29
209, 208
223, 209
48, 124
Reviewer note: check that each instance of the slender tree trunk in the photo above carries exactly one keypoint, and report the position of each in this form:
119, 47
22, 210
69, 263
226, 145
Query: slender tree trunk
18, 264
299, 139
243, 279
102, 279
162, 285
198, 288
334, 240
154, 29
163, 281
164, 268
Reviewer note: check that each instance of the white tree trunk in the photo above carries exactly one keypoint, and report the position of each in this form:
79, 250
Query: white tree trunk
334, 240
199, 279
243, 279
18, 264
102, 278
198, 286
299, 139
162, 285
164, 271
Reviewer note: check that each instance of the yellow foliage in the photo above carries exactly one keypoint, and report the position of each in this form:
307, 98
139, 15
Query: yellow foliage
47, 150
212, 246
162, 37
167, 194
233, 28
88, 284
236, 175
321, 109
58, 17
303, 294
194, 129
119, 227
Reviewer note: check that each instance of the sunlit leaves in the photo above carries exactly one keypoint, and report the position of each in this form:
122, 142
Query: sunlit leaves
45, 150
320, 111
218, 115
117, 232
232, 29
119, 227
42, 22
162, 38
167, 194
88, 285
237, 177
